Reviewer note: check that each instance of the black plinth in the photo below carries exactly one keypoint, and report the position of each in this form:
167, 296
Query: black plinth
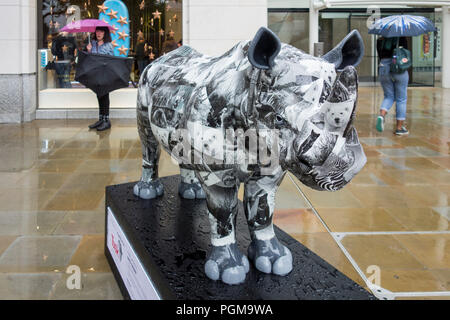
170, 237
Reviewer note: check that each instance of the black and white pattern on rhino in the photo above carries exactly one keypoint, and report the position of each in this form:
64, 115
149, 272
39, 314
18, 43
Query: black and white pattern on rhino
298, 105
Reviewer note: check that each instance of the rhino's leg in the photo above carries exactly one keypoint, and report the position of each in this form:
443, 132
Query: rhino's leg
149, 186
225, 261
266, 252
190, 187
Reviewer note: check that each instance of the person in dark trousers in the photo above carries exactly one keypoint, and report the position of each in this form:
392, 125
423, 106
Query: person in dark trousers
64, 49
395, 85
141, 54
101, 44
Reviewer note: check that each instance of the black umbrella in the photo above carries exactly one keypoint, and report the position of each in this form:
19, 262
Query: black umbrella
103, 73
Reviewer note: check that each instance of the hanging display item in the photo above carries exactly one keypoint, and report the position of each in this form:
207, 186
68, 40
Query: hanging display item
115, 13
249, 116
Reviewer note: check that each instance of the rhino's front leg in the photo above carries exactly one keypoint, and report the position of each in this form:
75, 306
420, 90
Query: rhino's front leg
225, 261
266, 252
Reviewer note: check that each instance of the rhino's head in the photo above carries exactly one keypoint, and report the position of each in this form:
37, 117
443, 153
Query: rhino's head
312, 102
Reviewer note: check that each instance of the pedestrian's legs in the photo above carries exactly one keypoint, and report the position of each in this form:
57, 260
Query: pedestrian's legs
59, 68
103, 112
389, 93
141, 66
401, 97
388, 90
103, 103
401, 94
67, 68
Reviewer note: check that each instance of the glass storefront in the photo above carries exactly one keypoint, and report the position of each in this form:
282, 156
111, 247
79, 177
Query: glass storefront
291, 27
334, 24
158, 22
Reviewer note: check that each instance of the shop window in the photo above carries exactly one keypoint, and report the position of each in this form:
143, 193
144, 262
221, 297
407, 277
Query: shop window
157, 22
291, 27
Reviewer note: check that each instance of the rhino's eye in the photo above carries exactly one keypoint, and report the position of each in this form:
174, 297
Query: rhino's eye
279, 120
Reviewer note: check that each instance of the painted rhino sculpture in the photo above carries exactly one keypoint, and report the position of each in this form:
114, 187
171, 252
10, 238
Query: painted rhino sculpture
297, 106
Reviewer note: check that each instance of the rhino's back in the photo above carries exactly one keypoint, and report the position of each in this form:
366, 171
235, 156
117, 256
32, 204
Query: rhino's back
184, 88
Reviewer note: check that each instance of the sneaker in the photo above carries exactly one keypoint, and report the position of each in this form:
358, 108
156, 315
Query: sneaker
402, 132
380, 123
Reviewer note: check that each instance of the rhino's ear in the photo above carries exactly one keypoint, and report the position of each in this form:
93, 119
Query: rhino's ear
263, 49
349, 52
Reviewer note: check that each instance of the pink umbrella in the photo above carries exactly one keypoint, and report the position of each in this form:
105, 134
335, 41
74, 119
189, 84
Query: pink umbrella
87, 25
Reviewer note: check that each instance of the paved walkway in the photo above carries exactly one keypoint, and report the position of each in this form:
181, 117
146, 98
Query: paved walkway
390, 225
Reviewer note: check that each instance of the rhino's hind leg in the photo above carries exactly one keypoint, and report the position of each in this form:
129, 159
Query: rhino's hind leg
225, 261
149, 186
266, 252
190, 187
148, 190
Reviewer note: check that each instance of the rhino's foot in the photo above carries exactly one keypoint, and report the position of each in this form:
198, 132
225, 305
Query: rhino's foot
227, 263
191, 191
270, 256
148, 190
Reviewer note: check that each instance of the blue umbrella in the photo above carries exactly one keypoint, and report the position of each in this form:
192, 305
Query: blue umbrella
402, 26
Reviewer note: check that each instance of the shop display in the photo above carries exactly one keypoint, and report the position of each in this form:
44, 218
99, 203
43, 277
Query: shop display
249, 116
115, 13
156, 24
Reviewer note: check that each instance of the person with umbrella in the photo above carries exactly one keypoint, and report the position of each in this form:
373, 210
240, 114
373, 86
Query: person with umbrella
101, 44
393, 29
395, 85
98, 68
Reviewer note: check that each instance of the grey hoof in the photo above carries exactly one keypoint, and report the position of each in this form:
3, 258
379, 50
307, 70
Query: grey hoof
227, 263
263, 264
144, 193
234, 275
148, 190
188, 194
283, 265
270, 256
200, 194
191, 191
212, 270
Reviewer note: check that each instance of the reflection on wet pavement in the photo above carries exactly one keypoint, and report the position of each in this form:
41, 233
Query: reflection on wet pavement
394, 214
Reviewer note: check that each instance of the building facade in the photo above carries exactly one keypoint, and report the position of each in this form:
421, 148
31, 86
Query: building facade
29, 90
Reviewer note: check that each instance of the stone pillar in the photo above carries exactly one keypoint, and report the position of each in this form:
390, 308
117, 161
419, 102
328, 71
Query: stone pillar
18, 40
445, 41
213, 27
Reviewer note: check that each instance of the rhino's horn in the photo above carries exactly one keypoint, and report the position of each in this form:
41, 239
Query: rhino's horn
263, 49
349, 52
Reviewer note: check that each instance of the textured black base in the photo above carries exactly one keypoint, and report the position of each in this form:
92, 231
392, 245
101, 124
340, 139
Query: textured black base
171, 237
